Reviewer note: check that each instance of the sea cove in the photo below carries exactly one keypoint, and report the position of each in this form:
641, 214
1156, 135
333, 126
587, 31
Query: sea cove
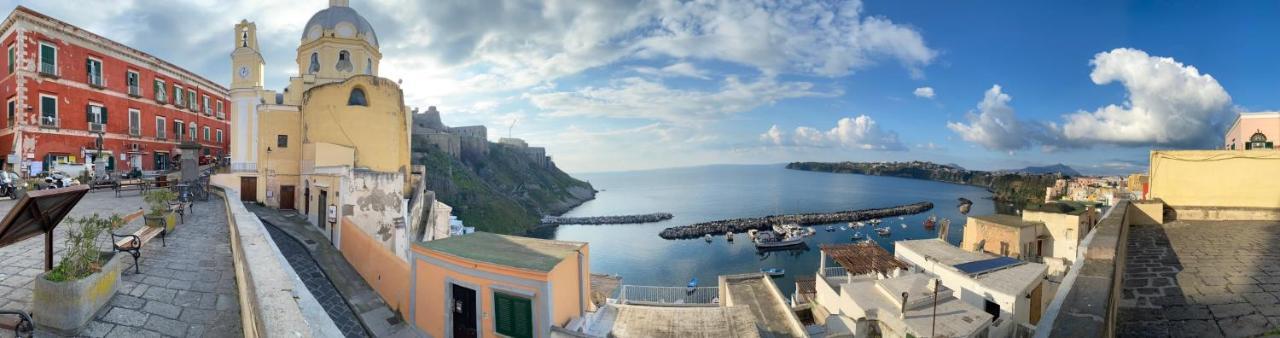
709, 193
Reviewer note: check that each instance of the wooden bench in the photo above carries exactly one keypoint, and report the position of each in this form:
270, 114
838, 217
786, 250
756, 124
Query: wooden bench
134, 184
101, 184
133, 243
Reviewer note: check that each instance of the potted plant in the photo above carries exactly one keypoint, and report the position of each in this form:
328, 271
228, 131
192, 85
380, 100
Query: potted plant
160, 213
65, 298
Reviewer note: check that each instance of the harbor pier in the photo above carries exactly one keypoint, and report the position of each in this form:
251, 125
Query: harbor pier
596, 220
741, 225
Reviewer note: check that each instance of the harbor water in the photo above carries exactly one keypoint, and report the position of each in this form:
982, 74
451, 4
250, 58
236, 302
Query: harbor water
700, 194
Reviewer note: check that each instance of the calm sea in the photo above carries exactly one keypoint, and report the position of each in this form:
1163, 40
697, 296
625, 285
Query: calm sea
731, 191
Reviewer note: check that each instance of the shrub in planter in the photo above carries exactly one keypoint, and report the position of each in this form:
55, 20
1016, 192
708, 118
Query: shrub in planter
65, 298
158, 214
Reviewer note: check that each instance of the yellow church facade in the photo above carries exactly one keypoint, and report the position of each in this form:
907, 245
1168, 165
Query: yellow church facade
334, 144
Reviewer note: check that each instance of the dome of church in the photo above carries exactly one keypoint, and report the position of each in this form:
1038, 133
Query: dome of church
342, 20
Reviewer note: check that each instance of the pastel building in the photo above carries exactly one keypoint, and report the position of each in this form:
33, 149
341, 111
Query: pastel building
1010, 290
1049, 233
488, 285
1253, 131
70, 92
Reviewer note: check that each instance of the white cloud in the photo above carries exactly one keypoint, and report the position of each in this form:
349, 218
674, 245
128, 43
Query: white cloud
993, 125
924, 92
859, 132
684, 69
1168, 103
638, 98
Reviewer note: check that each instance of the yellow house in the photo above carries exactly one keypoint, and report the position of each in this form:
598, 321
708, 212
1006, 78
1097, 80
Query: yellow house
488, 285
1049, 233
334, 145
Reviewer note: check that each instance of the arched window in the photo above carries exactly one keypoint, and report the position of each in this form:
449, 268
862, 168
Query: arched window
357, 98
1258, 141
368, 66
344, 61
244, 37
315, 63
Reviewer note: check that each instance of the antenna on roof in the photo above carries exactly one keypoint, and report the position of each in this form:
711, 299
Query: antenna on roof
513, 125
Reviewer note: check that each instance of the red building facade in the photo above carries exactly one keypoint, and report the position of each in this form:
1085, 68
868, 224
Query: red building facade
69, 93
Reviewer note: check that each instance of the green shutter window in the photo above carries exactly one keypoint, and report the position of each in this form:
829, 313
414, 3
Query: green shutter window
48, 55
104, 115
12, 57
513, 316
88, 113
49, 107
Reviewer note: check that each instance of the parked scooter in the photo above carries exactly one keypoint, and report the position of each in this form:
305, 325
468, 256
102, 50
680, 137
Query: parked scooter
9, 184
57, 179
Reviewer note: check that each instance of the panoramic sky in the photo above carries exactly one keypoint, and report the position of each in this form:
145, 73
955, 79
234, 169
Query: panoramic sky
625, 85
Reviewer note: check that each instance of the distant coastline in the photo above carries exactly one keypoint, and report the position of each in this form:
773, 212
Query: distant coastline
1006, 187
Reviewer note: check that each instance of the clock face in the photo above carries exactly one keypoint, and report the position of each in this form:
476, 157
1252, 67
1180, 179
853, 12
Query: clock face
244, 72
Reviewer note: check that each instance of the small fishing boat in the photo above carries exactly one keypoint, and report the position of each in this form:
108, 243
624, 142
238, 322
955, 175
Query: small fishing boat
707, 237
856, 236
930, 222
842, 228
904, 225
692, 286
773, 272
885, 231
831, 228
729, 236
751, 233
769, 239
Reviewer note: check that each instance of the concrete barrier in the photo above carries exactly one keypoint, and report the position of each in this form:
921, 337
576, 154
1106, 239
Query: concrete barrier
273, 300
1086, 303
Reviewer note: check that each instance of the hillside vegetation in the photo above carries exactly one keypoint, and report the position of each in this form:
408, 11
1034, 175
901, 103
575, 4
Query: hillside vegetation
503, 192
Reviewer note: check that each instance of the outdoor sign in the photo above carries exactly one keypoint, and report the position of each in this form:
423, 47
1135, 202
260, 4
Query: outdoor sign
332, 212
38, 212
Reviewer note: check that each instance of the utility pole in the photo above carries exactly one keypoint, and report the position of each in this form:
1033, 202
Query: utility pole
933, 328
512, 126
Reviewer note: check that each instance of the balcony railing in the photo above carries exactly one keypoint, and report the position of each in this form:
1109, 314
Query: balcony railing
97, 127
135, 91
49, 121
222, 115
97, 81
669, 296
49, 69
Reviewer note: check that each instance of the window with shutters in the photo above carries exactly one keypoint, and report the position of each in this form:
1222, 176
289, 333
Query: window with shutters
48, 110
191, 100
161, 126
13, 57
12, 106
94, 69
160, 92
513, 316
48, 59
206, 133
135, 122
178, 126
191, 130
219, 135
178, 96
96, 115
135, 87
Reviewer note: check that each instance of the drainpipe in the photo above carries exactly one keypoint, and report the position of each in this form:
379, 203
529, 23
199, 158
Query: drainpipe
903, 314
582, 302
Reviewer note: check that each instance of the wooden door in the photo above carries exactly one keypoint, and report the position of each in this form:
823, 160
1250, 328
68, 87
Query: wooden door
464, 312
249, 189
286, 197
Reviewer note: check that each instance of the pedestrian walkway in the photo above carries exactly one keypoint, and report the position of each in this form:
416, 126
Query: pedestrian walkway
187, 288
374, 313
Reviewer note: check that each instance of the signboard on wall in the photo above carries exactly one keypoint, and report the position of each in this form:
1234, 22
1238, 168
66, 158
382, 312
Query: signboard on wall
332, 212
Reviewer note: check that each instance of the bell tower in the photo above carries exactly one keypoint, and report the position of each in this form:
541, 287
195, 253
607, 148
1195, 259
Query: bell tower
246, 93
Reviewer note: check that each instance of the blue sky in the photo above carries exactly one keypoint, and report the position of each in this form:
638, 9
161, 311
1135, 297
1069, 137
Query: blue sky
624, 85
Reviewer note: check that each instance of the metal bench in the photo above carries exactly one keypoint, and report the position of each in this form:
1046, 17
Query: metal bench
133, 243
17, 320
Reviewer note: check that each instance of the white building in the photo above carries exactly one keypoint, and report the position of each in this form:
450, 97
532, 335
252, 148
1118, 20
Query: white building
1009, 289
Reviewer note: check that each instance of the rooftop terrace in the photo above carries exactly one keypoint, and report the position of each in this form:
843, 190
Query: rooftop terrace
1007, 220
1013, 279
513, 251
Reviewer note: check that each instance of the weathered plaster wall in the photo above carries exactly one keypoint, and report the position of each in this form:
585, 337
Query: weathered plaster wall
1215, 178
377, 205
379, 132
386, 273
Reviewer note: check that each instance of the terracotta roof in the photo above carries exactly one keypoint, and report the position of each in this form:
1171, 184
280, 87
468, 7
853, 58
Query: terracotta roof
862, 258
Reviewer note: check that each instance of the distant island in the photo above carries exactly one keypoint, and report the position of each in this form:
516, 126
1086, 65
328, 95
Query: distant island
1019, 187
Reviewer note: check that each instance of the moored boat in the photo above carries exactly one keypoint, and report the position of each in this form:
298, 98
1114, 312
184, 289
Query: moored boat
707, 237
885, 231
773, 272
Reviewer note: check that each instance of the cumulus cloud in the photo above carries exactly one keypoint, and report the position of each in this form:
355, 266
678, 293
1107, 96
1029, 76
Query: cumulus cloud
639, 98
1169, 103
684, 69
924, 92
993, 125
859, 132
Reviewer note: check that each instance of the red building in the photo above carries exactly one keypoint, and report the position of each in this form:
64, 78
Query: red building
66, 88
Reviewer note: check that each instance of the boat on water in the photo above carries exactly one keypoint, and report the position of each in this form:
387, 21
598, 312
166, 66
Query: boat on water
901, 218
874, 221
842, 228
751, 233
885, 231
729, 236
831, 228
770, 239
707, 237
931, 222
773, 272
857, 236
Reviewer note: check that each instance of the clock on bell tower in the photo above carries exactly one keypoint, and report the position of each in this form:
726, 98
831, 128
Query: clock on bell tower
246, 61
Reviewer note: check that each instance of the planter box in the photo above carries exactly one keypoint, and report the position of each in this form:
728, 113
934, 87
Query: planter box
64, 307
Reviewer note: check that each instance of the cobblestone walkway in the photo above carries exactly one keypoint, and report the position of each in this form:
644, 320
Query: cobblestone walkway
186, 289
317, 282
1202, 279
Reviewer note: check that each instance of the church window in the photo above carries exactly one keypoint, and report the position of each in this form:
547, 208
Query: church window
368, 66
315, 63
344, 61
357, 98
244, 37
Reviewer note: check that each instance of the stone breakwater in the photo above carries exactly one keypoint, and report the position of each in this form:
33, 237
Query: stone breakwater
741, 225
624, 219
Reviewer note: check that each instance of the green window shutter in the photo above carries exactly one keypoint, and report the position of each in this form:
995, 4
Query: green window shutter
502, 314
104, 115
513, 316
88, 113
48, 55
11, 59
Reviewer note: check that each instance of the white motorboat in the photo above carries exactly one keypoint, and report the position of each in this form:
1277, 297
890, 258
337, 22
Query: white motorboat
885, 231
769, 239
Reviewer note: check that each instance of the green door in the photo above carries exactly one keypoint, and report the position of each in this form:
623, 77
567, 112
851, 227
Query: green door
513, 316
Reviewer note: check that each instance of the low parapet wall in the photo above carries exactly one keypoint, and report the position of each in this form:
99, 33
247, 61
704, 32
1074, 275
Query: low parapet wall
1086, 303
273, 300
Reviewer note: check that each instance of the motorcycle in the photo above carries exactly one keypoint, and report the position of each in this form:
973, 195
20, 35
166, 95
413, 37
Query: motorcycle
57, 180
9, 184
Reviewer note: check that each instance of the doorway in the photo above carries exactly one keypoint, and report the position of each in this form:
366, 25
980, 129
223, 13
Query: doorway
323, 207
286, 197
248, 189
464, 312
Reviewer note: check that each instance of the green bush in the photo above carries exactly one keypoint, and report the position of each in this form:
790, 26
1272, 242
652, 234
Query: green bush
158, 200
82, 256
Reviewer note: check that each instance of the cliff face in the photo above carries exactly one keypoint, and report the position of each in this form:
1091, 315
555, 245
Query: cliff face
504, 191
1017, 188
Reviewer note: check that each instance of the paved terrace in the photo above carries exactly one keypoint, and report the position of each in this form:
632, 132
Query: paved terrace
1201, 279
186, 289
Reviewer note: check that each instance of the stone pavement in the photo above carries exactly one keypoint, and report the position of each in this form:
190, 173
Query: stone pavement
186, 289
1202, 279
318, 283
374, 313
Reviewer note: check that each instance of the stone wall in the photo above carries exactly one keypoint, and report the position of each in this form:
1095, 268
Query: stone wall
1087, 301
